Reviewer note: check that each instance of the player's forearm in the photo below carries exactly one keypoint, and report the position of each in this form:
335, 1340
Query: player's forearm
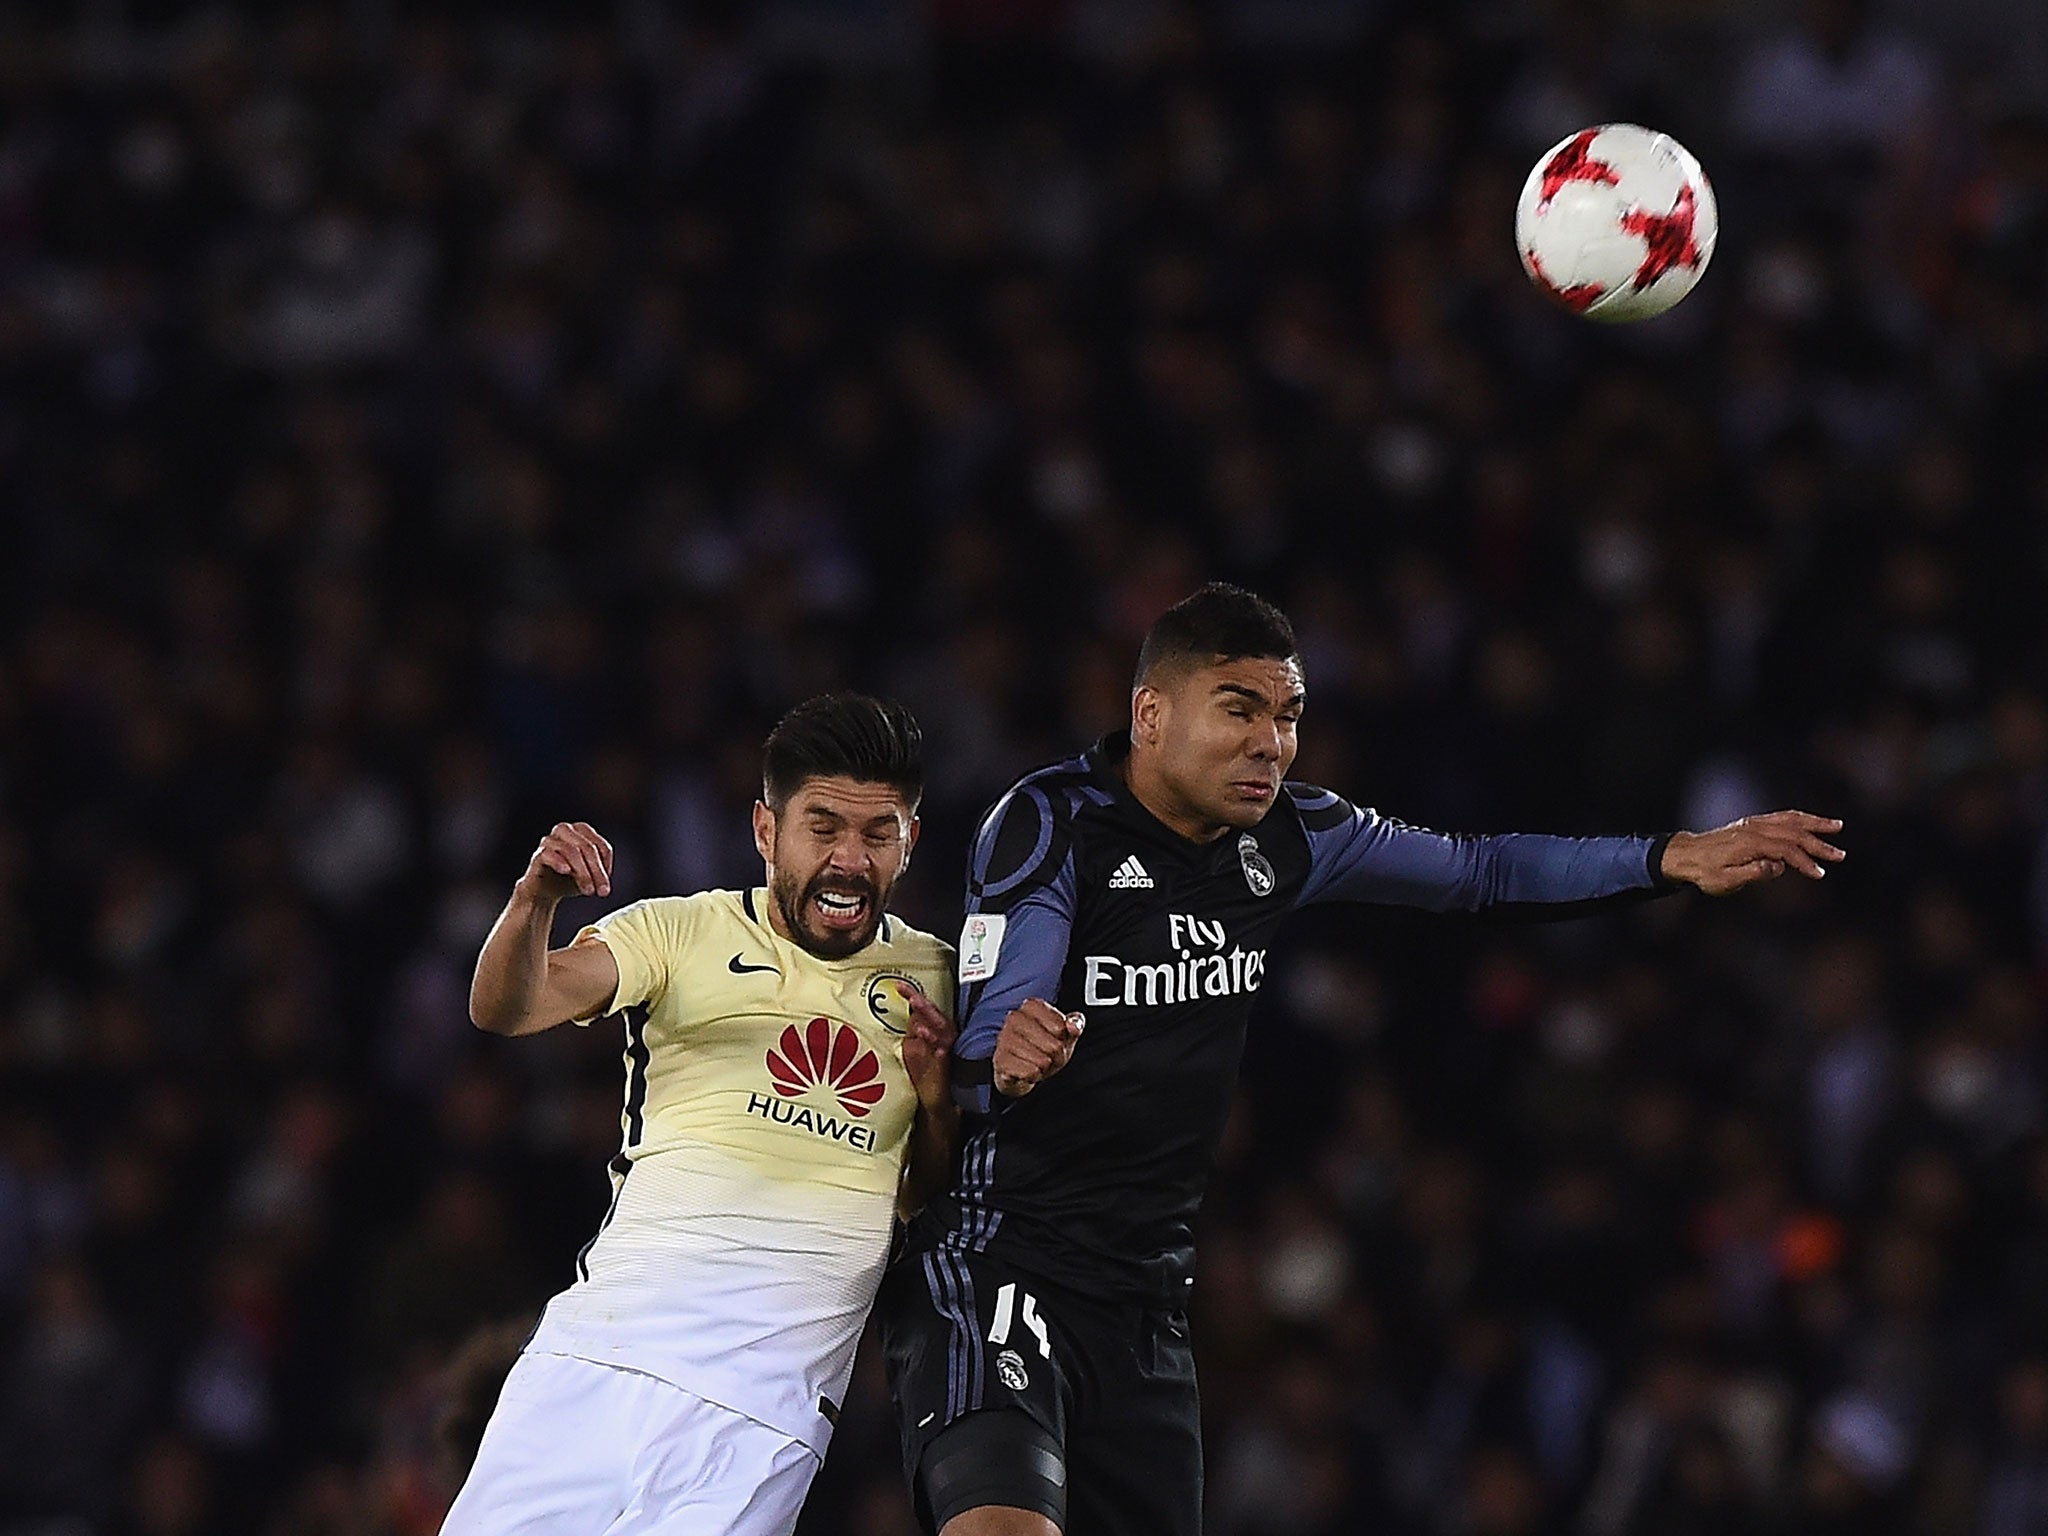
1524, 868
1556, 879
506, 994
1359, 855
934, 1147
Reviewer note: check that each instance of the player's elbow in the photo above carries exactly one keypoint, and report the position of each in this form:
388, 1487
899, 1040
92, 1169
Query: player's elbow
493, 1017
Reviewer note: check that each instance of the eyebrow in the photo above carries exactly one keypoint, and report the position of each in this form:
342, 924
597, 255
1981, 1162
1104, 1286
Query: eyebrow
1252, 695
883, 818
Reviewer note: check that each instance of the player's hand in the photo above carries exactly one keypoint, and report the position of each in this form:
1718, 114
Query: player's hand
572, 860
1036, 1041
928, 1053
1753, 849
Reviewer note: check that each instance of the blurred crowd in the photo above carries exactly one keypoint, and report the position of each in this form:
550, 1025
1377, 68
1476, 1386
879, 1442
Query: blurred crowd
421, 425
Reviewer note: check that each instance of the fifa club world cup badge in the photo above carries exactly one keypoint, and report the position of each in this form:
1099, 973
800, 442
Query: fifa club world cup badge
1258, 874
981, 941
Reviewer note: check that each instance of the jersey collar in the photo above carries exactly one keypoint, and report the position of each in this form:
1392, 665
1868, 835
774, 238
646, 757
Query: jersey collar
1106, 761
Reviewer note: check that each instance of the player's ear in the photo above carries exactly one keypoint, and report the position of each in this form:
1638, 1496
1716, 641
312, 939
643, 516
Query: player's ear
910, 844
1146, 704
764, 832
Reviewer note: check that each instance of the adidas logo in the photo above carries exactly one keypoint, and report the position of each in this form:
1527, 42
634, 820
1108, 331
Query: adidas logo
1130, 876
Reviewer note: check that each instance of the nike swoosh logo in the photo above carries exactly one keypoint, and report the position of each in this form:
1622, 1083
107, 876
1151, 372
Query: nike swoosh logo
738, 969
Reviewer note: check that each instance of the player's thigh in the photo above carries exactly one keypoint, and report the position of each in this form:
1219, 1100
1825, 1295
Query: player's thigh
993, 1473
989, 1521
705, 1470
973, 1359
1135, 1467
552, 1456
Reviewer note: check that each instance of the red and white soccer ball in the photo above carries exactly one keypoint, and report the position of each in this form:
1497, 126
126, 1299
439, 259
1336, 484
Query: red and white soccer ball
1616, 222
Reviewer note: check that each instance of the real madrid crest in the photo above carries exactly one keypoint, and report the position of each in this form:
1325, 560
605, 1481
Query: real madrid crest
1010, 1367
1258, 873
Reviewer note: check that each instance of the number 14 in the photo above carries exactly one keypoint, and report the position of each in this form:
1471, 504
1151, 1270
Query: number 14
1007, 1310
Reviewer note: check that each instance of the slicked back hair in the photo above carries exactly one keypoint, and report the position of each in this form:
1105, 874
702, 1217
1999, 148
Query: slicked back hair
843, 735
1217, 622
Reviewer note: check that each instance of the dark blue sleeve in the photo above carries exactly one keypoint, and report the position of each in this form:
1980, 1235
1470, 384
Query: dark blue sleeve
1020, 912
1356, 854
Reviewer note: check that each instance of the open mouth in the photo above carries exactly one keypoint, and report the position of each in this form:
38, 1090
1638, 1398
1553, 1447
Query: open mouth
840, 910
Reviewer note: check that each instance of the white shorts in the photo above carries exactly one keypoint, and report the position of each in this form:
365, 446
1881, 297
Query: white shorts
575, 1448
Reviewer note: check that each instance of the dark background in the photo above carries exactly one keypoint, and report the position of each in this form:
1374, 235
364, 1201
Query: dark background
418, 428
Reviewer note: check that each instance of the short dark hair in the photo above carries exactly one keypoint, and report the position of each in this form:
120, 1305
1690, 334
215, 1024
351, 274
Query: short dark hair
1217, 622
843, 735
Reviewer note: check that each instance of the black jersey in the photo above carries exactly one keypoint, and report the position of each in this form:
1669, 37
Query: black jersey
1080, 896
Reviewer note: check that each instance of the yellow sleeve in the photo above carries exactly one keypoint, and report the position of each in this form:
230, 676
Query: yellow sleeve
647, 941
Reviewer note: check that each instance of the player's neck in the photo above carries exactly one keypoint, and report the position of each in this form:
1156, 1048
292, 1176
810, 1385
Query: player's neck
1150, 789
773, 910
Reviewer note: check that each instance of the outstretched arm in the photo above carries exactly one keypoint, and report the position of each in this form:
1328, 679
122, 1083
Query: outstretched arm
1355, 854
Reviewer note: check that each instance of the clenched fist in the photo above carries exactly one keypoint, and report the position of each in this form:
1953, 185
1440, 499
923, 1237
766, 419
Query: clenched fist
572, 860
1036, 1041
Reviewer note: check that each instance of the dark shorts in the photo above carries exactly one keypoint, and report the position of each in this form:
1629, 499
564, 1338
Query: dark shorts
1104, 1391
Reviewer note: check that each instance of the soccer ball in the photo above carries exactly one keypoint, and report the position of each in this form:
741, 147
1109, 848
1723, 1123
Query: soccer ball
1616, 223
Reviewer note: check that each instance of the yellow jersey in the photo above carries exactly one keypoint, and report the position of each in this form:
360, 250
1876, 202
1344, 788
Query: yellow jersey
767, 1116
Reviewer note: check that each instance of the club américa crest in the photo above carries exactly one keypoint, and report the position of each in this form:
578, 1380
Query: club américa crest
887, 995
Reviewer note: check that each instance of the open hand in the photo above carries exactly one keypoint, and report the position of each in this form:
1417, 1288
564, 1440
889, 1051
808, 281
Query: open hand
1753, 849
1036, 1041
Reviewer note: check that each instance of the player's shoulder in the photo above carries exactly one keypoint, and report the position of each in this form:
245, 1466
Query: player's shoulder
678, 919
1025, 835
1318, 809
913, 948
696, 905
1062, 787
